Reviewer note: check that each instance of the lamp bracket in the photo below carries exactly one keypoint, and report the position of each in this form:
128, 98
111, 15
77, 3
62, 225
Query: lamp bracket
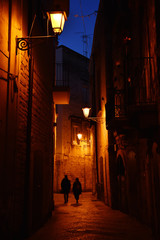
96, 119
25, 43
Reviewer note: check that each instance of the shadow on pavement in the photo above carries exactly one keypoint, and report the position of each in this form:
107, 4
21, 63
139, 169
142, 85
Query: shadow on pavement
60, 205
76, 205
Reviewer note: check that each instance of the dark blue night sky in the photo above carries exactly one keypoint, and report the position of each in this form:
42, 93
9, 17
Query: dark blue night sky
77, 29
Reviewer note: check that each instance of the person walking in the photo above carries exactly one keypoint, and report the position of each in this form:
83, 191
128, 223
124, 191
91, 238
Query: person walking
77, 189
65, 185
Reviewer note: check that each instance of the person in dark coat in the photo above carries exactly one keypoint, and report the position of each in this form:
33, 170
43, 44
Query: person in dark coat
65, 185
77, 189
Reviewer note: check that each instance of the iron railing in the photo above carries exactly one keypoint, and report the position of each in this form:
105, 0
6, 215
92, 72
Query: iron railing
62, 75
130, 98
140, 86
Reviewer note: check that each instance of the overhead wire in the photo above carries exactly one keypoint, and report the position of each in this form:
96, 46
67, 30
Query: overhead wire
85, 39
88, 15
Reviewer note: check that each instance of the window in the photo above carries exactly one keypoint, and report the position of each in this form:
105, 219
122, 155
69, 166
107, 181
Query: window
76, 128
79, 126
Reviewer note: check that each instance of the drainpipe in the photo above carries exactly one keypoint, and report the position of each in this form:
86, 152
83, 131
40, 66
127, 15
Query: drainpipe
96, 153
27, 214
27, 227
94, 104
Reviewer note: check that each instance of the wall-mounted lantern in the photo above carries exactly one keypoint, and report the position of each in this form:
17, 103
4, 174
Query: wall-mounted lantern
86, 112
57, 19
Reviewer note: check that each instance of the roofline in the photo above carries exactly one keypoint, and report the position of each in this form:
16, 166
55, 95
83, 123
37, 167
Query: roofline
62, 46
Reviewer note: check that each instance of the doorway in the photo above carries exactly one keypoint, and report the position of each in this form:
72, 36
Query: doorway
37, 189
122, 190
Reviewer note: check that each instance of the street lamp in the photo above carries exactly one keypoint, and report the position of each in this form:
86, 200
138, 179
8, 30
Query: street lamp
79, 136
57, 19
86, 111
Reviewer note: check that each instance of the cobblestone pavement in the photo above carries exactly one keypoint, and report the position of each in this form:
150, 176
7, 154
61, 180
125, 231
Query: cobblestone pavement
90, 219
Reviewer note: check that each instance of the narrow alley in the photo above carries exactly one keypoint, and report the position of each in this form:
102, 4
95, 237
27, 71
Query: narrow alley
90, 219
80, 96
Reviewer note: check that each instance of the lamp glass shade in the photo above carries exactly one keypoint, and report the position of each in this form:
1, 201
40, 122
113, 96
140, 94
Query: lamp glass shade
86, 111
58, 20
79, 135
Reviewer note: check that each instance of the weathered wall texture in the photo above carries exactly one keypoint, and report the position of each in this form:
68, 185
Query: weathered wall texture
26, 121
130, 57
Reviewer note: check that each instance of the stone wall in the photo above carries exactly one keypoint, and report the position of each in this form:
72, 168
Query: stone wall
26, 133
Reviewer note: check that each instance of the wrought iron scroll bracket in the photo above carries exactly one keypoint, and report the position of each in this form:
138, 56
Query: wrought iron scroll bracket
23, 44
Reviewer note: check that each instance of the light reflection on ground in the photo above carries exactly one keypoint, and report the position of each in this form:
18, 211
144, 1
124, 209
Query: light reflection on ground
89, 219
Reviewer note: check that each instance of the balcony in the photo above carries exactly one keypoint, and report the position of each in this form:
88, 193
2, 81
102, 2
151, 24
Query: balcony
61, 90
135, 105
116, 111
132, 109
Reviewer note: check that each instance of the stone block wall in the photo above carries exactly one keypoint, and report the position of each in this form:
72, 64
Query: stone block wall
26, 129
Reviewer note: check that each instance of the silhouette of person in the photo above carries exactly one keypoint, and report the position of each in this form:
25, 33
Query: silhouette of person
77, 189
65, 185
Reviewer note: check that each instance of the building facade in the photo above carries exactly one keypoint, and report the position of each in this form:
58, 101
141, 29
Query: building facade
125, 80
26, 117
74, 157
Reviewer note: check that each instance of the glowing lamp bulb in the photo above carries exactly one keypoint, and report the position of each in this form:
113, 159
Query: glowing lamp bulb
86, 111
79, 135
58, 20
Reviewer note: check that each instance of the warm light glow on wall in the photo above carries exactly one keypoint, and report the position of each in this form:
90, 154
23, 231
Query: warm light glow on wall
79, 135
58, 20
86, 111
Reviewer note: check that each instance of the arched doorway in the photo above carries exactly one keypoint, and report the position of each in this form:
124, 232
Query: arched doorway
132, 183
121, 177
